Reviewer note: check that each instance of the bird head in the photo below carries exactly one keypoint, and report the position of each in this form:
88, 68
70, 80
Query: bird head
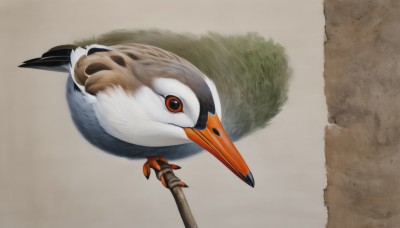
199, 103
160, 103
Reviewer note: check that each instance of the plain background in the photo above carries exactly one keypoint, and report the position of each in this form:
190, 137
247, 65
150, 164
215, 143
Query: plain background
51, 177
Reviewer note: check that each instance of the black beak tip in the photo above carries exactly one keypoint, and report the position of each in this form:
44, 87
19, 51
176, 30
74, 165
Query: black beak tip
250, 179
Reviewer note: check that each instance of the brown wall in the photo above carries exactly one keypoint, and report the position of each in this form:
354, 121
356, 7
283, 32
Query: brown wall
362, 84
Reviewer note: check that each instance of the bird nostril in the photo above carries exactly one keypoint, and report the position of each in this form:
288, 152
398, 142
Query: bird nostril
215, 131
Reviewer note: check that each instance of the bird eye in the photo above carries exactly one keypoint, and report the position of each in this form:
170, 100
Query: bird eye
173, 104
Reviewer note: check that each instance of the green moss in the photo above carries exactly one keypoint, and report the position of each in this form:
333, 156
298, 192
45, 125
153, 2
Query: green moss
251, 74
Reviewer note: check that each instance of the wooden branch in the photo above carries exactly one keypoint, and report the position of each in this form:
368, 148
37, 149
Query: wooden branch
173, 183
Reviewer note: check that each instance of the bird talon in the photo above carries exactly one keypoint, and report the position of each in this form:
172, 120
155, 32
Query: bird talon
183, 184
162, 179
175, 167
162, 159
146, 170
152, 162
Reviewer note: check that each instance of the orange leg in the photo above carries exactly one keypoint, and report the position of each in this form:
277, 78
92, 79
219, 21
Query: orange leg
152, 162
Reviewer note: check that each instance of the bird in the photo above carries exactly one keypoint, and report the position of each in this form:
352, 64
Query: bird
133, 94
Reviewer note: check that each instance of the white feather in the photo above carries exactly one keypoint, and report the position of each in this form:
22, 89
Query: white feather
75, 56
214, 92
170, 86
140, 118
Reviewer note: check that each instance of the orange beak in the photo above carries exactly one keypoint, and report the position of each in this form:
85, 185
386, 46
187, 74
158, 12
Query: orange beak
215, 140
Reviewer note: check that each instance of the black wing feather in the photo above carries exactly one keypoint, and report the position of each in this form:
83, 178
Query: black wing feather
55, 59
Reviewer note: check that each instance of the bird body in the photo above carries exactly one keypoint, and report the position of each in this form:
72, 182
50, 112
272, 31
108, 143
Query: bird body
137, 100
122, 116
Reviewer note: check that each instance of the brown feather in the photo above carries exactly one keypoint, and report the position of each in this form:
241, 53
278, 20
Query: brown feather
130, 66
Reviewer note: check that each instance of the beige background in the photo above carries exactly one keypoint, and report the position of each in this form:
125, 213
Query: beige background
51, 177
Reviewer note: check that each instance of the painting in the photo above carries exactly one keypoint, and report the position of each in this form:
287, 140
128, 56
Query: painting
265, 58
